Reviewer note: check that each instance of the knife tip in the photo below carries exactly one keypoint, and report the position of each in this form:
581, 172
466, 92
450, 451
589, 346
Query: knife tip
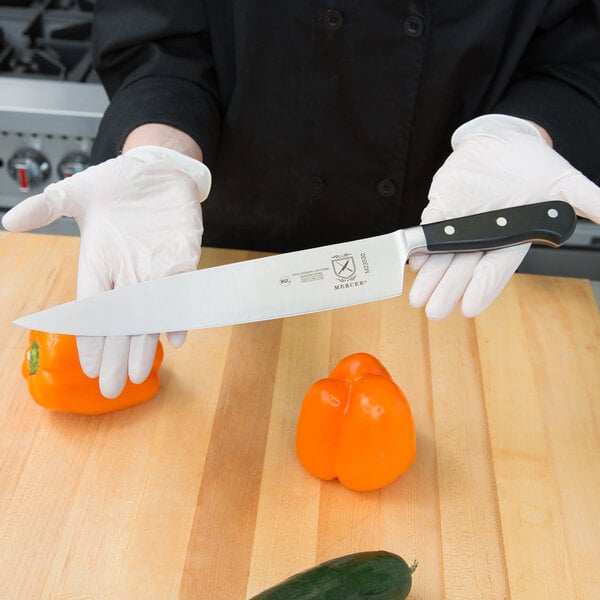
22, 322
32, 322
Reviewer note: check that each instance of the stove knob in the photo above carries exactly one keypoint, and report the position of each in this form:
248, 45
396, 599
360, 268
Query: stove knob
28, 168
73, 163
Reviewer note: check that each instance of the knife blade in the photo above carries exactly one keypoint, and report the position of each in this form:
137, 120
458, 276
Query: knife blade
295, 283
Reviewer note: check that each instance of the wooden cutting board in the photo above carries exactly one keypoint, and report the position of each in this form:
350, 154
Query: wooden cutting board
198, 493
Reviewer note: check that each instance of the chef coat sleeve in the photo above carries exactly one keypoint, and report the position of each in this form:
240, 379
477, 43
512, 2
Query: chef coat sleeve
557, 84
154, 59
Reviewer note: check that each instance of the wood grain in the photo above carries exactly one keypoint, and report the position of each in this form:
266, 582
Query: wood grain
198, 493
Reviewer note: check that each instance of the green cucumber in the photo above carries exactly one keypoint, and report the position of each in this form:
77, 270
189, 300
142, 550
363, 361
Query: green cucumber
376, 575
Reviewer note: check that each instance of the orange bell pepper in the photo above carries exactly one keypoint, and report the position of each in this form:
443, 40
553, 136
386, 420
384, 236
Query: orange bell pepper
56, 381
356, 425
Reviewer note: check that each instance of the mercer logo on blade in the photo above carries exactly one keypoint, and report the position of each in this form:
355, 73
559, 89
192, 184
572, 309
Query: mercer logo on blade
344, 267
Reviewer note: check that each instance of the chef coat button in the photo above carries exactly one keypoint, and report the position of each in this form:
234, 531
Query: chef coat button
316, 184
332, 20
413, 26
386, 188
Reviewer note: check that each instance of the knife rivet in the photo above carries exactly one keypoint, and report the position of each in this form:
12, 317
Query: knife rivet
552, 213
449, 230
501, 221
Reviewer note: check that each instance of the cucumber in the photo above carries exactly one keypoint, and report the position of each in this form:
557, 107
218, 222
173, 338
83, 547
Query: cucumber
375, 575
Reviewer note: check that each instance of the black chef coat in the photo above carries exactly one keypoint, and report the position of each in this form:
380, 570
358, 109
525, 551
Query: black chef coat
325, 120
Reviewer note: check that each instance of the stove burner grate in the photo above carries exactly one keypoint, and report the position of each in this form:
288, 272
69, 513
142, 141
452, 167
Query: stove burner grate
48, 39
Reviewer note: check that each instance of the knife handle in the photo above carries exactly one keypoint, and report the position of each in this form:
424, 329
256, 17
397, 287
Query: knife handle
550, 223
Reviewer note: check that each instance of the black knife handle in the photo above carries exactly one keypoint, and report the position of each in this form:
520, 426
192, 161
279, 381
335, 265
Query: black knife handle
550, 223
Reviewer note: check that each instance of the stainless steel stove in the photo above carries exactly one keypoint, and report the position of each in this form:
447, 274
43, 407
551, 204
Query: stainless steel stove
51, 101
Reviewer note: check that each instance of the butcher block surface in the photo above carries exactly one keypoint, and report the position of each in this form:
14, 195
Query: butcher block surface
198, 493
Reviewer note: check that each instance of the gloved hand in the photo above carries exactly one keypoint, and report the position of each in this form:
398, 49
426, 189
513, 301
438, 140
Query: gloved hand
140, 218
498, 161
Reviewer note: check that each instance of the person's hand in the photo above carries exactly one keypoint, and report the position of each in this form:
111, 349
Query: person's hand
498, 161
140, 218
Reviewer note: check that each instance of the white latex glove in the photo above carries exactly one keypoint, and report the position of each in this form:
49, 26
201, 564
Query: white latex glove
498, 161
140, 218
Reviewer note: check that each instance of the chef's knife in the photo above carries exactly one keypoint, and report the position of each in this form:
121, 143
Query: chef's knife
296, 283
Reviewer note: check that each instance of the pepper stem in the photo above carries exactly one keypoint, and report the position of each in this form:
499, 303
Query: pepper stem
413, 567
34, 358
